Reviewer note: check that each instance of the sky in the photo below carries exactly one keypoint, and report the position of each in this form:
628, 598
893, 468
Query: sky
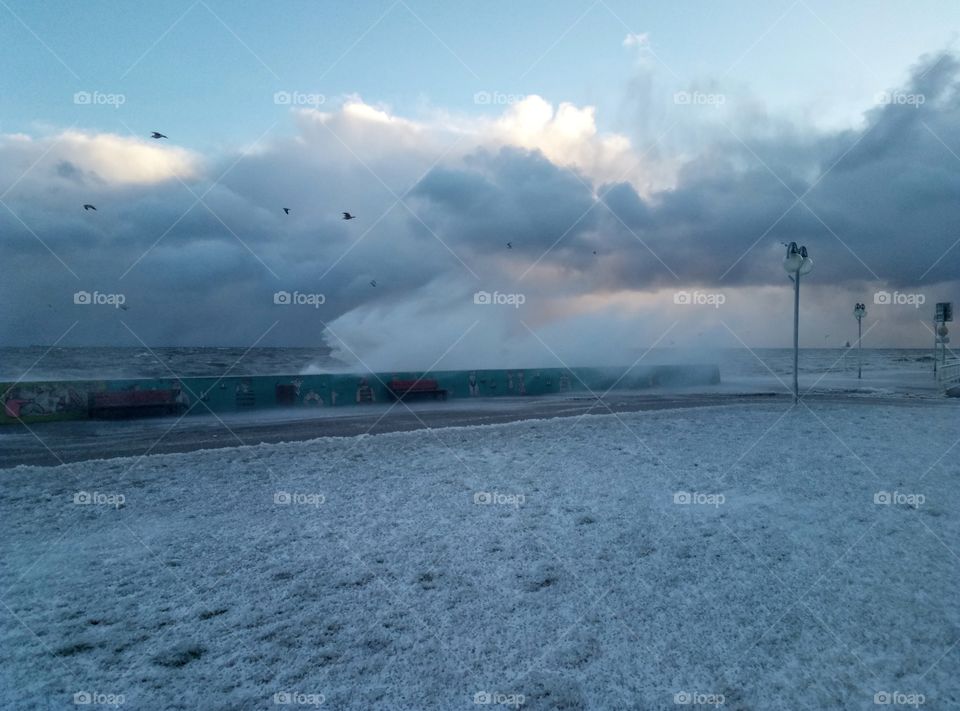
616, 175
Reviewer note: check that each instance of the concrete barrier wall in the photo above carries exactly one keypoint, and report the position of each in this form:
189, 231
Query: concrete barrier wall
61, 400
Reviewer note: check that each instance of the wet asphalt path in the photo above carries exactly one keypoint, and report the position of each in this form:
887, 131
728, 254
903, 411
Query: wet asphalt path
63, 442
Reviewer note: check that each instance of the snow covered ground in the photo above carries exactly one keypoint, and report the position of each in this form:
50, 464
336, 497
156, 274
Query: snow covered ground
762, 557
909, 383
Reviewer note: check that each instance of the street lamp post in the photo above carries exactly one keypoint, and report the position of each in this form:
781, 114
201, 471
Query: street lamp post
796, 264
859, 312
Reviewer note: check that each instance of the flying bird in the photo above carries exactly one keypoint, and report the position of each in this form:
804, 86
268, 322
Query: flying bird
509, 245
89, 207
373, 282
348, 216
124, 307
286, 211
157, 134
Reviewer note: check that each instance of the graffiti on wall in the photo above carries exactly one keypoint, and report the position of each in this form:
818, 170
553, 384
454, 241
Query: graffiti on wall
312, 397
365, 392
43, 399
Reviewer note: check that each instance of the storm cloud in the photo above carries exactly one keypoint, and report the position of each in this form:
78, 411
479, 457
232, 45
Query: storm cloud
876, 205
199, 245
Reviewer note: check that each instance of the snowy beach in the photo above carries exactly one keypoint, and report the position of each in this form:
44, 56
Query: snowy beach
748, 557
424, 356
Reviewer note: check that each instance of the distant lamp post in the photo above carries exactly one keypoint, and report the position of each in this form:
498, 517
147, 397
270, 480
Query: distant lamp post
797, 263
859, 312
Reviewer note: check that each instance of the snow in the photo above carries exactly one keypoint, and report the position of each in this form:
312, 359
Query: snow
902, 382
547, 562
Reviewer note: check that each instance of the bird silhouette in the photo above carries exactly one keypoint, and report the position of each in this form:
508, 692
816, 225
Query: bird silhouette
594, 251
348, 216
89, 207
157, 134
124, 307
509, 245
373, 282
286, 211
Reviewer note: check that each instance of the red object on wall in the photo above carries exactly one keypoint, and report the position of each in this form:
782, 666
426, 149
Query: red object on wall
402, 388
12, 407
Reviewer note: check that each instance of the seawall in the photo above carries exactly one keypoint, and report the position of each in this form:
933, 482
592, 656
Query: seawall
63, 400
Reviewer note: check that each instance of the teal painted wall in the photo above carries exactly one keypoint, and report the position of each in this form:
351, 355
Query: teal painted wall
34, 402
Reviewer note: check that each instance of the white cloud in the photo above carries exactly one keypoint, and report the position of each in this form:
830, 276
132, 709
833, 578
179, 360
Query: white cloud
566, 134
102, 157
568, 137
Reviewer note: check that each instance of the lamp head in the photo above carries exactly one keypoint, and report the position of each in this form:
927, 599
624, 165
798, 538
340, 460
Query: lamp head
793, 260
806, 265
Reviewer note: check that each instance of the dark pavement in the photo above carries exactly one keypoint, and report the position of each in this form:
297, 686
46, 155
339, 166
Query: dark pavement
63, 442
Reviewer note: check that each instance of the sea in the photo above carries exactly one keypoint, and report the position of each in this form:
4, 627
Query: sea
38, 363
